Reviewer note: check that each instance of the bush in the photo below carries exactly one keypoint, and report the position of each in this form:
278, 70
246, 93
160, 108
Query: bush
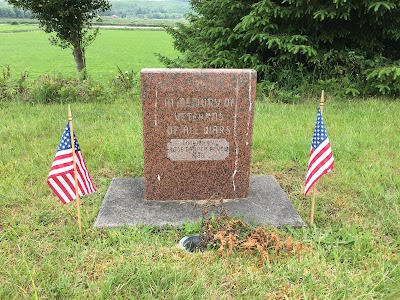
352, 43
49, 89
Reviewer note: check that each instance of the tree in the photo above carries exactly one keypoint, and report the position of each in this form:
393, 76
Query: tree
357, 41
70, 20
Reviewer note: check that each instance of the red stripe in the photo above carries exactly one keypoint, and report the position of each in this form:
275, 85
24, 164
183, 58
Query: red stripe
60, 157
85, 174
82, 188
55, 192
53, 168
319, 153
318, 167
70, 185
323, 173
79, 176
62, 187
82, 173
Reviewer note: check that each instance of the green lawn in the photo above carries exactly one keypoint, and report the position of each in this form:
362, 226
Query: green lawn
351, 253
128, 49
7, 28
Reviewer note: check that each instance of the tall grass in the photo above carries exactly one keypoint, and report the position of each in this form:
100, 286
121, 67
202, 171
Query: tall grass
351, 253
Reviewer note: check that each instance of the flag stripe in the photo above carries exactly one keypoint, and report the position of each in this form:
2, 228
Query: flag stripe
314, 154
325, 165
81, 166
57, 184
61, 171
65, 154
71, 180
57, 190
322, 171
81, 184
79, 177
60, 163
61, 189
68, 185
319, 160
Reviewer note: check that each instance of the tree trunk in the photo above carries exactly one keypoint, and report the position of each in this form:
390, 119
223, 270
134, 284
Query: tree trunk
79, 55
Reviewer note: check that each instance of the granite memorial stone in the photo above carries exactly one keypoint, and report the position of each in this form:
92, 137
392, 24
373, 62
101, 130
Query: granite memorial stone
197, 132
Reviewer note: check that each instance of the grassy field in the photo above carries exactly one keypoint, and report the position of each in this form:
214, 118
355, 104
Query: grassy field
351, 253
7, 28
129, 49
107, 21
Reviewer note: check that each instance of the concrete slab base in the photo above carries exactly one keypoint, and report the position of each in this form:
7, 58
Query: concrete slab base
124, 204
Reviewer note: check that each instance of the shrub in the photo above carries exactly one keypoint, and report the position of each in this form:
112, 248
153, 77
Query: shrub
49, 89
293, 42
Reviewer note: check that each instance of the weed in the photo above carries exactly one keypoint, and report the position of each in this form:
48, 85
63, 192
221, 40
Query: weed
125, 81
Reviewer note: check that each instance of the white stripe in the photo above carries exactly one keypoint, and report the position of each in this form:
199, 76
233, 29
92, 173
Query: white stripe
66, 186
318, 173
63, 152
80, 166
60, 170
72, 179
316, 151
86, 174
62, 161
59, 190
81, 185
318, 161
324, 167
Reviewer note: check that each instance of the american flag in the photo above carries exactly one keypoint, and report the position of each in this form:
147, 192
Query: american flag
321, 157
61, 177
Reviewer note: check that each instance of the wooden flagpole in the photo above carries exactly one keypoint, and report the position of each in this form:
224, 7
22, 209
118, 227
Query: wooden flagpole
78, 205
314, 190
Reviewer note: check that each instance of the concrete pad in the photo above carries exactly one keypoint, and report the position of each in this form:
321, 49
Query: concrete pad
125, 204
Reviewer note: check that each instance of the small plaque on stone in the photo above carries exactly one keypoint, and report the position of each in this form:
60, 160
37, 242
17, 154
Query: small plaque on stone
197, 149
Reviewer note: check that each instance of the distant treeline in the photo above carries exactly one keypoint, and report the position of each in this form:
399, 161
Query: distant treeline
9, 11
145, 9
168, 9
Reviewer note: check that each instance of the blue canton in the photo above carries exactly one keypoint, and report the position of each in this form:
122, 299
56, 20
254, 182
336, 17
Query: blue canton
320, 134
65, 143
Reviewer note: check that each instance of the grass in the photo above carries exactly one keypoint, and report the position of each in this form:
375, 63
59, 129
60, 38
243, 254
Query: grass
351, 253
6, 28
129, 49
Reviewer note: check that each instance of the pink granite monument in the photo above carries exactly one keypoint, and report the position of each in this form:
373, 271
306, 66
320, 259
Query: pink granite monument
197, 132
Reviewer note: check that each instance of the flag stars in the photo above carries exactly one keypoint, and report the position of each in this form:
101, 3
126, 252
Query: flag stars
320, 134
65, 143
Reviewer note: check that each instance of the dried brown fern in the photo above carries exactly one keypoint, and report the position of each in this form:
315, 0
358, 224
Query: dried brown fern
227, 235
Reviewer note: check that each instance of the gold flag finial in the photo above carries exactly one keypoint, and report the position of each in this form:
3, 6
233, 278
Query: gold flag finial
322, 101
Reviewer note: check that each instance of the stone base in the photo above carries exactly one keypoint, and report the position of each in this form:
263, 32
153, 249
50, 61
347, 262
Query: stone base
124, 204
